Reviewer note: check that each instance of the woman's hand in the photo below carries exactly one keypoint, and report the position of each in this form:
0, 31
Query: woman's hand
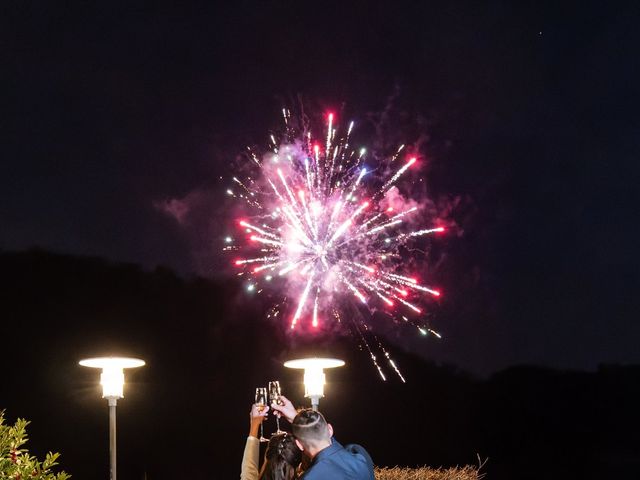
256, 416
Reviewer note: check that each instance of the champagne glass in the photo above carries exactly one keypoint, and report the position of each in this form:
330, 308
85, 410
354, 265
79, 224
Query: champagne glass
274, 397
261, 402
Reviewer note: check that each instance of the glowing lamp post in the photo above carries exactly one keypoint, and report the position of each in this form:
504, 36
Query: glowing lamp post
112, 381
314, 377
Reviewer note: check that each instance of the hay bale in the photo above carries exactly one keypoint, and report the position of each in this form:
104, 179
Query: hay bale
425, 473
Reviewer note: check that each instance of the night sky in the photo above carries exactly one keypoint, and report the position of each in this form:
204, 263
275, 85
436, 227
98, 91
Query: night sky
528, 113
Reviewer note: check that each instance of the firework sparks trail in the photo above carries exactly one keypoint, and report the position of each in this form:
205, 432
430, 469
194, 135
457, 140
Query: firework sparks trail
319, 222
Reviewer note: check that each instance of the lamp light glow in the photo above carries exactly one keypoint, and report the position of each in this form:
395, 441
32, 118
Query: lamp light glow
112, 381
112, 376
314, 376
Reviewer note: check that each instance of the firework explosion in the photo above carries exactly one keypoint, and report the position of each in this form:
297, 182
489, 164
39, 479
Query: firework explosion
319, 228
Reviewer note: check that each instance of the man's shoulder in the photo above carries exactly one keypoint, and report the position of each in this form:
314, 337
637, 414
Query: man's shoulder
352, 460
360, 461
359, 451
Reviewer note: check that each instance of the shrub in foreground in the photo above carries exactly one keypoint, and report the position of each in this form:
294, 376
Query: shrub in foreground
15, 461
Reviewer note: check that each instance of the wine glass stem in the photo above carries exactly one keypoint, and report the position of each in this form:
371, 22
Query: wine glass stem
278, 422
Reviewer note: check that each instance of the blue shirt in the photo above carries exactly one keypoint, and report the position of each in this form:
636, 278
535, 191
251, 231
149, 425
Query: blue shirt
337, 462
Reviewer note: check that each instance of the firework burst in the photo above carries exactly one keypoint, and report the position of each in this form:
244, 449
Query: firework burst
327, 232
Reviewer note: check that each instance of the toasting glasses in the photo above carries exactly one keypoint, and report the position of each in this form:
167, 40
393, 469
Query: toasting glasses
261, 402
274, 397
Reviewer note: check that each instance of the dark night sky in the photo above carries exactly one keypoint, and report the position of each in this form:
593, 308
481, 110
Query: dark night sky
531, 110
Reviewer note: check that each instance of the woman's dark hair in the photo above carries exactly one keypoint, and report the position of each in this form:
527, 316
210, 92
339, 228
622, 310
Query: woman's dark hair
281, 458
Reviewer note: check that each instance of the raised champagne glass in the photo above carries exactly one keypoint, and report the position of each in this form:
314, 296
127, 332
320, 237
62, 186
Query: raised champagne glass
261, 402
274, 397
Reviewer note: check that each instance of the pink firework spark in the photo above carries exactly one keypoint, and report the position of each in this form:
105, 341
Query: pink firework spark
318, 228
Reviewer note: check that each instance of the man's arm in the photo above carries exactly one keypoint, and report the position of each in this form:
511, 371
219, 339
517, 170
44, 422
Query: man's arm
287, 409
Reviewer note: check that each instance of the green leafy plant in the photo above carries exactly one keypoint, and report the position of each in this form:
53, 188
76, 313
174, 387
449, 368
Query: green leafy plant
15, 461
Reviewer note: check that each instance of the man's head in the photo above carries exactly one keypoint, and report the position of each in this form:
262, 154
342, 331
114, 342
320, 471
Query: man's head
312, 431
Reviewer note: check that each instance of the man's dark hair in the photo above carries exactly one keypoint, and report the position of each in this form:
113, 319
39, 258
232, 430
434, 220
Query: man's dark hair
310, 427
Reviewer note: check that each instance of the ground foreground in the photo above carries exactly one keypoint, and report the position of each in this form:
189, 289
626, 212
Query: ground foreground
426, 473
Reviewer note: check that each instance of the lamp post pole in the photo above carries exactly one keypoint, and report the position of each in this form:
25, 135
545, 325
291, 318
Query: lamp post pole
112, 381
112, 437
